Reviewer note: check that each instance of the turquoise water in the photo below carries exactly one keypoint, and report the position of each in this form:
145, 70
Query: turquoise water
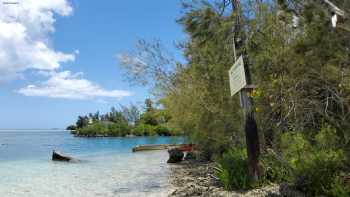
108, 166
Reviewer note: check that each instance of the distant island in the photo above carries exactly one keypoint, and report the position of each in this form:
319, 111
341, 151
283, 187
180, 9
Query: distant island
128, 121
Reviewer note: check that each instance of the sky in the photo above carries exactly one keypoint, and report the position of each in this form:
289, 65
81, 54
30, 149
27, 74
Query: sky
58, 58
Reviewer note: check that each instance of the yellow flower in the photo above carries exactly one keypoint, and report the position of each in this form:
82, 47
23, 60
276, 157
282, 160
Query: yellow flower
256, 93
253, 93
257, 109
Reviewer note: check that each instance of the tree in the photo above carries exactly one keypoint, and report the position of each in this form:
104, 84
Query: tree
299, 62
83, 121
131, 114
196, 94
301, 85
71, 127
149, 105
96, 117
118, 117
150, 60
127, 120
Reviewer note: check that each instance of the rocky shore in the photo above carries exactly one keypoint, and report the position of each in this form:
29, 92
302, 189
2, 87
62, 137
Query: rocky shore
195, 179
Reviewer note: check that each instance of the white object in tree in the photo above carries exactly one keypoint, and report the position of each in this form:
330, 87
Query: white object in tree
295, 21
334, 20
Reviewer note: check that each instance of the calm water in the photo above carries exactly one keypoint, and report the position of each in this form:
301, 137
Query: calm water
109, 168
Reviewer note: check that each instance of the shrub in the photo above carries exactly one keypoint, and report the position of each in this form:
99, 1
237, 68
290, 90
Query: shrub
232, 170
295, 148
163, 131
327, 138
93, 130
340, 187
120, 129
144, 130
274, 168
316, 167
149, 118
316, 175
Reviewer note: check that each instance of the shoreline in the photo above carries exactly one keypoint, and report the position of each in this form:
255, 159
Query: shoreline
193, 178
114, 136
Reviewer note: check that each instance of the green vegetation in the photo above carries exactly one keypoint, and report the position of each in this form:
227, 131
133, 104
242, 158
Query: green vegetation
232, 170
301, 66
127, 121
318, 167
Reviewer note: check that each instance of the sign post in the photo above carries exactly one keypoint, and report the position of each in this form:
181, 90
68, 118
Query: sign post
238, 75
240, 81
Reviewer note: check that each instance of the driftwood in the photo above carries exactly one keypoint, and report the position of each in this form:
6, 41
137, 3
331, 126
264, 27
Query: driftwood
56, 156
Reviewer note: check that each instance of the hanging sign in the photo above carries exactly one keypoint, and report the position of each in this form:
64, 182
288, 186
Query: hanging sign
237, 76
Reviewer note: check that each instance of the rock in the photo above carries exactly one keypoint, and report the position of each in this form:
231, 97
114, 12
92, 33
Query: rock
289, 191
56, 156
175, 155
190, 156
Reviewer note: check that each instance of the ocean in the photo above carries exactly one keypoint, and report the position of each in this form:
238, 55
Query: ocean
107, 168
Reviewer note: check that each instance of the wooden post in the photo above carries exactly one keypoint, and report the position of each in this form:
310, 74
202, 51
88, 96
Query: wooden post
251, 135
250, 126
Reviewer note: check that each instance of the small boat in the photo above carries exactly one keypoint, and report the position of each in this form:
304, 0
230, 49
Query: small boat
56, 156
149, 147
187, 147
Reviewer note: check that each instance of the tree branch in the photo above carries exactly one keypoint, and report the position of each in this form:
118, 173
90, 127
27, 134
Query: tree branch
334, 8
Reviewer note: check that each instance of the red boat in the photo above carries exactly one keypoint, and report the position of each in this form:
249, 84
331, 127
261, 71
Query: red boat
187, 147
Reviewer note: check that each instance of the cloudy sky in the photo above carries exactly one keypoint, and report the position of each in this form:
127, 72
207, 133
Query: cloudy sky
58, 57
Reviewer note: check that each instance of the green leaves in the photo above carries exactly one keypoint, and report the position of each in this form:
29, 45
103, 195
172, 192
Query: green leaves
317, 167
232, 170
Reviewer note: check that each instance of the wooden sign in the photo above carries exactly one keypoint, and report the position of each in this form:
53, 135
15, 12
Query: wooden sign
237, 76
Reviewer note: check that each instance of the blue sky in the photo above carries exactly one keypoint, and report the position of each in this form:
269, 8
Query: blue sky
48, 49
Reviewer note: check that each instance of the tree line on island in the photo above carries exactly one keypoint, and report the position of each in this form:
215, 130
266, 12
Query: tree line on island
127, 121
301, 66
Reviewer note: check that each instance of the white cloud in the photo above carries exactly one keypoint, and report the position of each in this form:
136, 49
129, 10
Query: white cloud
70, 86
25, 44
25, 29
